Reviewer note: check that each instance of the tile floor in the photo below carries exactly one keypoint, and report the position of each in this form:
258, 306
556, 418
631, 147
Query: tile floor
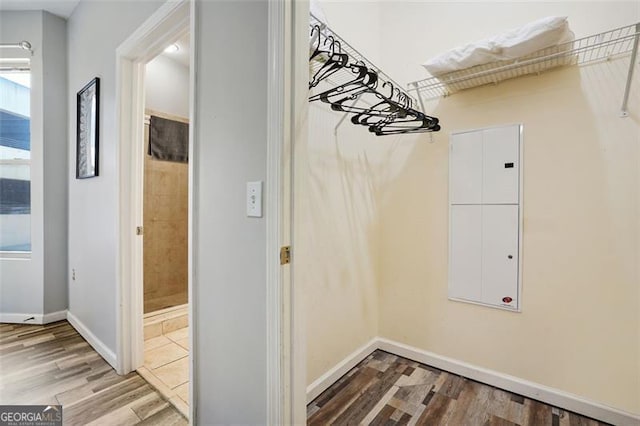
166, 356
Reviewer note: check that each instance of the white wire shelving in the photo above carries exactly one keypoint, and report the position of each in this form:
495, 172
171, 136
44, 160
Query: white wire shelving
342, 77
604, 46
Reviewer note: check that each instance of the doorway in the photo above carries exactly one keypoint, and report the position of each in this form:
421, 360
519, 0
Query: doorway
155, 97
166, 25
165, 223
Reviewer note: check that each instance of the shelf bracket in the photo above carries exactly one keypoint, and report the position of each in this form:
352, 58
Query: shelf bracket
344, 117
632, 65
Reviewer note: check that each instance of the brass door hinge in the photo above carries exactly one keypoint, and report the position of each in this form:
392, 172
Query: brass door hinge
139, 230
285, 255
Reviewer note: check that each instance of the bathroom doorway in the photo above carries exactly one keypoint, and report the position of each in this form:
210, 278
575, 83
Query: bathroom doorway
165, 228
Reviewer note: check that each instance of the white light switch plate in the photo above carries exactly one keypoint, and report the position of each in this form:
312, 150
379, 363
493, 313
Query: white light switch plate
254, 199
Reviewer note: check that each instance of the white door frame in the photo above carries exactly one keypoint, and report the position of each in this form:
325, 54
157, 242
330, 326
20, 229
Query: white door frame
170, 22
287, 94
287, 97
298, 77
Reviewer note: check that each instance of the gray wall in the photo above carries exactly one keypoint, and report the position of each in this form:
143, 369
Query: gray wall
229, 248
95, 30
54, 54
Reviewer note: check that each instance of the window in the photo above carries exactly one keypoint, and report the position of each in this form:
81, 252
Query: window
15, 159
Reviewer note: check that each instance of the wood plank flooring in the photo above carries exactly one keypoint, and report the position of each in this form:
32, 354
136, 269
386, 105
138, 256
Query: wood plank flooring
53, 364
385, 389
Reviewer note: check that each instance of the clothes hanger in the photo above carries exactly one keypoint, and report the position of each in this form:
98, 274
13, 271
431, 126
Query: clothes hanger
363, 78
413, 122
335, 60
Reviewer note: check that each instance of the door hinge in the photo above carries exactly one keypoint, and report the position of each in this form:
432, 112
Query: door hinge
285, 255
139, 230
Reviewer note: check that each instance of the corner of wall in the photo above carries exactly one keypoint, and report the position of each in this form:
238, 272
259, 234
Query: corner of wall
54, 51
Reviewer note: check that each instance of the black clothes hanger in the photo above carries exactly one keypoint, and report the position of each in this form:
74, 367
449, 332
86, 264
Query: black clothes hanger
362, 79
391, 110
333, 63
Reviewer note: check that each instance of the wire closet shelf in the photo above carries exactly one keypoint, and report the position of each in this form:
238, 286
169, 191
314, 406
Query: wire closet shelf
340, 78
344, 78
598, 47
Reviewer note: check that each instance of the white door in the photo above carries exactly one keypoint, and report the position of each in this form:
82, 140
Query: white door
500, 168
465, 252
500, 255
484, 207
466, 168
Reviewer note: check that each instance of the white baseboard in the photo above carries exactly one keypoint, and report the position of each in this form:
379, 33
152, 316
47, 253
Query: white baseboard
513, 384
13, 318
54, 316
91, 338
21, 318
323, 382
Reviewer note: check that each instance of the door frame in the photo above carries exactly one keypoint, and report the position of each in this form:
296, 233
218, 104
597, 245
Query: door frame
287, 96
171, 21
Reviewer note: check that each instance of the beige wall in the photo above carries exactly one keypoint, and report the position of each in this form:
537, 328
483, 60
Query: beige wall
336, 180
165, 230
579, 330
335, 239
580, 326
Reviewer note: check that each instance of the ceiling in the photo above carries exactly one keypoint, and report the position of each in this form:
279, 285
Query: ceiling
184, 51
62, 8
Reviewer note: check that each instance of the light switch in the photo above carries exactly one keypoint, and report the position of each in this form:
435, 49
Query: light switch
254, 199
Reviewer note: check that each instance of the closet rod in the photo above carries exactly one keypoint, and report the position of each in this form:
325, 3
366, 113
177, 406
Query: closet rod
340, 76
353, 52
24, 45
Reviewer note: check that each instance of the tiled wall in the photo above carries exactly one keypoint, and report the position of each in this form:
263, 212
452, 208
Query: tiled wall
165, 230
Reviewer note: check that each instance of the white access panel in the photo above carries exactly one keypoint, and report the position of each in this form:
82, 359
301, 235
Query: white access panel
465, 252
485, 216
500, 255
500, 165
466, 168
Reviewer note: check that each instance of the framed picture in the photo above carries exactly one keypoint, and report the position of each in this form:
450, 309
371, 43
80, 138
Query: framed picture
87, 142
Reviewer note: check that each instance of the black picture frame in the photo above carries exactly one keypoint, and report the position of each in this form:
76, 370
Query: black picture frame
88, 130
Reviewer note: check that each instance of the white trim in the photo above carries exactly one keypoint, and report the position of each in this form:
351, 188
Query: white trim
54, 316
294, 327
323, 382
168, 23
91, 338
13, 318
166, 310
552, 396
273, 205
18, 318
192, 232
520, 214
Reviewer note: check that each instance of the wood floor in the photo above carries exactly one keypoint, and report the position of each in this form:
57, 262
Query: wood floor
53, 364
385, 389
